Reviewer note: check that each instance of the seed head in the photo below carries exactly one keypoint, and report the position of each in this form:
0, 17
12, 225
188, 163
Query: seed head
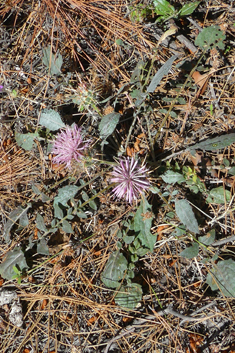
69, 146
131, 179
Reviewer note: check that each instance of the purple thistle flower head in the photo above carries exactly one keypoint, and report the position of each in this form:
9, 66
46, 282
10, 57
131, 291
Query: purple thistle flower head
68, 146
131, 179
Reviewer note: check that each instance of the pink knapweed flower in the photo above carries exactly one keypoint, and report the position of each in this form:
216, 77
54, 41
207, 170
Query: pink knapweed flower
68, 146
131, 179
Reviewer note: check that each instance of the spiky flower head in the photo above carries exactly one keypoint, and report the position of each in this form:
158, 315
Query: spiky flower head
68, 146
131, 179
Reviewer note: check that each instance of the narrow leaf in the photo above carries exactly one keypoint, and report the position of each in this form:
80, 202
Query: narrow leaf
161, 72
108, 125
187, 9
215, 143
142, 225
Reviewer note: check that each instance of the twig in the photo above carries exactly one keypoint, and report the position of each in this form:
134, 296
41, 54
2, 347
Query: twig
124, 333
137, 322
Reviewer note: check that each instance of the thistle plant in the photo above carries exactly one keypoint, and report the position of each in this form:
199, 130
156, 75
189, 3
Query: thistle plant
69, 146
131, 179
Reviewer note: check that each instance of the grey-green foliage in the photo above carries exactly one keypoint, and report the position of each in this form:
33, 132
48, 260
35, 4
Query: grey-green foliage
209, 238
52, 61
219, 195
215, 143
19, 216
12, 259
51, 120
40, 223
142, 226
64, 195
42, 247
26, 141
140, 240
129, 295
43, 196
191, 251
210, 37
172, 177
108, 125
222, 277
114, 270
164, 70
185, 213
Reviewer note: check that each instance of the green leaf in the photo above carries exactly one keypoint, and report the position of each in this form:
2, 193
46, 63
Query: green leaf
187, 9
40, 223
136, 74
218, 196
210, 37
185, 214
66, 226
171, 177
26, 141
129, 296
93, 205
190, 252
222, 277
142, 225
51, 120
108, 125
81, 214
231, 171
13, 218
209, 238
24, 221
12, 258
58, 212
54, 62
159, 75
65, 194
119, 42
42, 247
114, 270
154, 189
216, 143
163, 8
